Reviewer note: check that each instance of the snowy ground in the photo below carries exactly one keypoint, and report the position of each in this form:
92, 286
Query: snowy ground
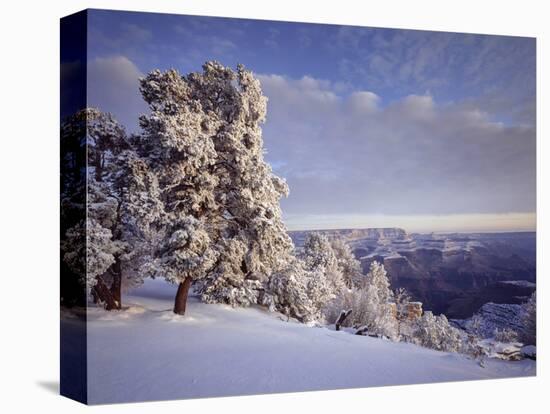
148, 353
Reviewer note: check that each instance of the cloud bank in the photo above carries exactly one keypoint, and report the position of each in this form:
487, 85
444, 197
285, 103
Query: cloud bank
356, 154
352, 157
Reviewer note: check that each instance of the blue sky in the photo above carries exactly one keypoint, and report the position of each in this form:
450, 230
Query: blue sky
369, 126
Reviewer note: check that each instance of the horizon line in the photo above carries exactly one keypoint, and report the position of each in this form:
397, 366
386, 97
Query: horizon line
512, 222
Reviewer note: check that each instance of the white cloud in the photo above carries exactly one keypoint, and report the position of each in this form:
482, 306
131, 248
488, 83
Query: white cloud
298, 95
364, 102
113, 87
356, 154
416, 107
353, 154
118, 68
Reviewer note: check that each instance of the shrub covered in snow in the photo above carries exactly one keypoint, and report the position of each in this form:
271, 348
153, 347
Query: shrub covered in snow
298, 292
432, 331
505, 335
370, 304
355, 299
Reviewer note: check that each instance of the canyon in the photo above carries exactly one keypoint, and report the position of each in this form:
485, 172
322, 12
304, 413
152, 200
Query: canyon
452, 273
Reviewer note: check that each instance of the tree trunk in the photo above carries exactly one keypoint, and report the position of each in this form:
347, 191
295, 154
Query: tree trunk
181, 296
362, 330
95, 296
116, 286
343, 315
104, 294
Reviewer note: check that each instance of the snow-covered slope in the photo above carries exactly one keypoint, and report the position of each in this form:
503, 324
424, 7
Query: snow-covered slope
148, 353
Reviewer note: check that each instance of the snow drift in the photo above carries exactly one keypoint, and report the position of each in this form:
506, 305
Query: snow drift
146, 352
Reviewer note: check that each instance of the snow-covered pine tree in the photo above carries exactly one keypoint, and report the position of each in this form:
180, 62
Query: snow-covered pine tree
401, 299
88, 246
377, 277
298, 292
451, 338
378, 313
73, 209
123, 197
309, 282
319, 257
317, 252
139, 212
177, 144
349, 266
106, 139
103, 248
529, 319
115, 234
203, 139
252, 240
